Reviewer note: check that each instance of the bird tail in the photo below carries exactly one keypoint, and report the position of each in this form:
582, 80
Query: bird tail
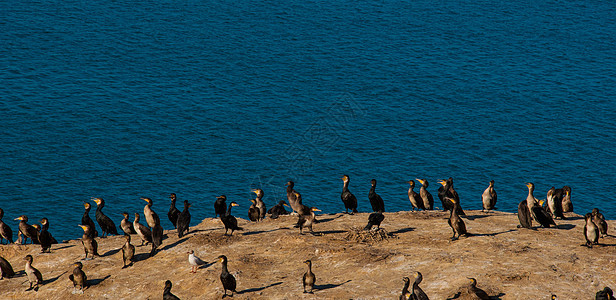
239, 228
368, 227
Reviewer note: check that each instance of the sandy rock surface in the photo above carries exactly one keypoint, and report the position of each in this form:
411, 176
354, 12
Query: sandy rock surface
266, 258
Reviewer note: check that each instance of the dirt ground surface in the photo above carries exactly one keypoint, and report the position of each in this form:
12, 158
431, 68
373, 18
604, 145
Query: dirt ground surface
267, 260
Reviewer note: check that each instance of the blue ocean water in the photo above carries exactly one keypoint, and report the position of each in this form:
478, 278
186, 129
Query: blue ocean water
124, 99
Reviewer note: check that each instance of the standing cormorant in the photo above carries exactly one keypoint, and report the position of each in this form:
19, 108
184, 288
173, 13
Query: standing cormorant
173, 213
541, 215
107, 226
417, 292
167, 295
566, 202
253, 211
349, 200
128, 253
228, 281
230, 221
599, 220
488, 198
45, 237
79, 278
476, 292
5, 231
525, 207
278, 210
194, 261
416, 201
27, 230
294, 203
220, 206
183, 222
306, 218
86, 220
126, 226
446, 191
555, 204
374, 219
6, 270
34, 276
456, 223
309, 279
151, 217
143, 231
260, 204
375, 200
591, 232
427, 198
605, 294
406, 294
90, 246
157, 237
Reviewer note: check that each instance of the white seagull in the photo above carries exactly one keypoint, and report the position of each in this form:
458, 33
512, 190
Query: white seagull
194, 261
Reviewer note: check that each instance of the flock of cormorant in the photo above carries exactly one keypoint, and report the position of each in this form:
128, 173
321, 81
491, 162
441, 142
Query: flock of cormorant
558, 202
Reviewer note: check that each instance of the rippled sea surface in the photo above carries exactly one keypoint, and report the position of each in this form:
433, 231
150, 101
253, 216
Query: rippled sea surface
124, 99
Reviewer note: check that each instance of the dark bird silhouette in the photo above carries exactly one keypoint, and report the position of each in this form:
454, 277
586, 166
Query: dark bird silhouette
90, 246
591, 232
167, 295
541, 215
427, 198
45, 237
417, 292
260, 204
456, 223
6, 233
86, 220
27, 230
554, 201
566, 202
6, 270
375, 199
278, 210
406, 294
309, 278
348, 199
128, 253
374, 219
126, 225
599, 220
605, 294
151, 217
79, 278
253, 211
230, 221
34, 275
294, 203
220, 206
173, 213
107, 226
143, 231
228, 281
183, 222
416, 201
447, 191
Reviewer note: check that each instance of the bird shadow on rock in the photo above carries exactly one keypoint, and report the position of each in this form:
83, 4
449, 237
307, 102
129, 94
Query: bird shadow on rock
475, 217
111, 252
497, 297
50, 280
493, 233
328, 219
252, 290
21, 273
141, 256
92, 282
64, 247
320, 233
459, 295
565, 226
403, 230
260, 231
184, 239
329, 285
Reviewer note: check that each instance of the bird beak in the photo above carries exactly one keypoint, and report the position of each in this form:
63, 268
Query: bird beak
284, 204
316, 209
18, 219
235, 204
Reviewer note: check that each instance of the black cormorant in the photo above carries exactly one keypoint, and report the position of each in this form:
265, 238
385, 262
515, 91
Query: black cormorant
79, 278
126, 225
173, 211
488, 198
416, 201
406, 294
541, 215
260, 204
220, 206
230, 221
183, 222
294, 203
228, 281
349, 200
128, 253
6, 270
591, 232
417, 292
447, 191
143, 231
34, 276
27, 230
428, 200
566, 202
605, 294
599, 220
86, 220
167, 295
90, 246
309, 279
151, 217
476, 292
253, 211
5, 231
278, 210
306, 218
555, 204
375, 199
107, 226
374, 219
456, 223
45, 237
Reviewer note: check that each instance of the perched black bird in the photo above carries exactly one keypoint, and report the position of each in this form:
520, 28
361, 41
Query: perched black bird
86, 220
183, 222
349, 200
427, 198
167, 295
107, 226
220, 206
157, 237
278, 210
253, 211
34, 275
6, 270
230, 221
541, 215
309, 279
228, 281
128, 253
79, 278
456, 223
375, 200
27, 230
90, 246
591, 232
599, 220
605, 294
173, 213
374, 219
126, 225
416, 201
5, 231
447, 191
417, 292
260, 204
45, 237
